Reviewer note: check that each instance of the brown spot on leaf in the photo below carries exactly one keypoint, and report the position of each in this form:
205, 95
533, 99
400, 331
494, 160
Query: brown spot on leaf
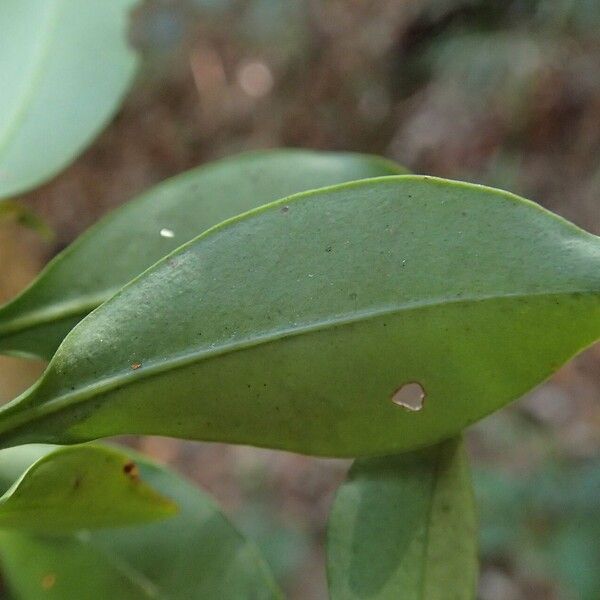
136, 365
48, 581
131, 470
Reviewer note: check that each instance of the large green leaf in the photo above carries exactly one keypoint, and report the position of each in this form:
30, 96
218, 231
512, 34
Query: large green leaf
82, 486
197, 554
404, 526
301, 324
138, 234
64, 67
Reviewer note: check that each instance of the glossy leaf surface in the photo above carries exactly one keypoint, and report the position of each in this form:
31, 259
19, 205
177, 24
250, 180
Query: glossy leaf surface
196, 554
404, 526
296, 326
82, 486
64, 67
135, 236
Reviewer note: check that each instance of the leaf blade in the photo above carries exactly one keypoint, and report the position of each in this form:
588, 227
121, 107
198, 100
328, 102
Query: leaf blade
196, 554
405, 526
59, 568
81, 487
412, 293
47, 82
78, 280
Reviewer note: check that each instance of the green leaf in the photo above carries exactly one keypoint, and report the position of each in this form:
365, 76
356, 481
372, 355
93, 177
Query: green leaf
404, 526
135, 236
298, 325
197, 554
65, 66
82, 486
60, 568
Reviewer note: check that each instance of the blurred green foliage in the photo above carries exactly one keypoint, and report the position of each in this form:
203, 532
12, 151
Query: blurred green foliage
546, 522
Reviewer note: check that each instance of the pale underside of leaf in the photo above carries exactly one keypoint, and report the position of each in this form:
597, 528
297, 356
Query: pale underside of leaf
58, 96
198, 553
60, 564
83, 486
404, 526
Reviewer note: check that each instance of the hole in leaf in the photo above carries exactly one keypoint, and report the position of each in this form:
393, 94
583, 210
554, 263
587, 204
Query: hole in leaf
410, 396
167, 233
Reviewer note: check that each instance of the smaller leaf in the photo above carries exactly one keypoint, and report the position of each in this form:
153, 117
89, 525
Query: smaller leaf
196, 554
57, 568
133, 237
81, 487
404, 526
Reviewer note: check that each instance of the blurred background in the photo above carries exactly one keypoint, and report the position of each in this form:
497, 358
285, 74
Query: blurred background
501, 92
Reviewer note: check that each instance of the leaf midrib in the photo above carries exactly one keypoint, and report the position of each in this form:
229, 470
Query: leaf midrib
175, 362
56, 312
148, 587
